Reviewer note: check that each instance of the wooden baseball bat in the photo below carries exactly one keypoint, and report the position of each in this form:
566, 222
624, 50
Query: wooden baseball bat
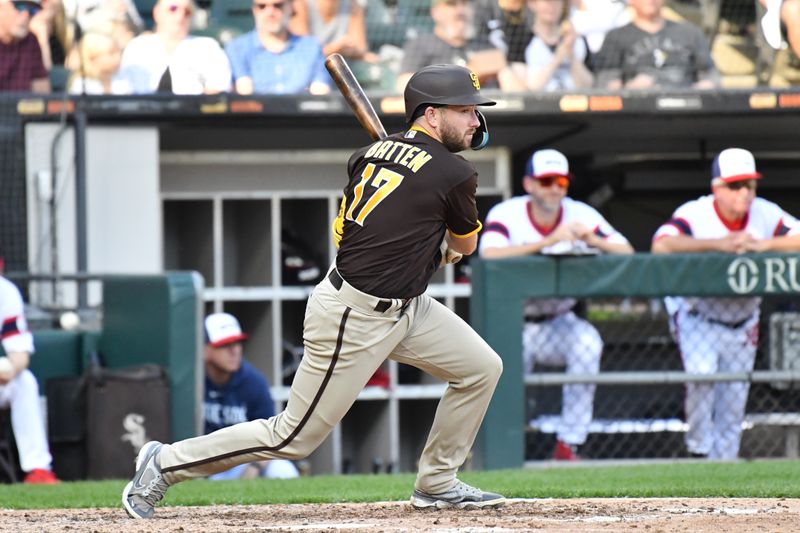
354, 94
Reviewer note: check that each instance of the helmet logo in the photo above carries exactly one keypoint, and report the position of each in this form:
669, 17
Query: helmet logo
475, 82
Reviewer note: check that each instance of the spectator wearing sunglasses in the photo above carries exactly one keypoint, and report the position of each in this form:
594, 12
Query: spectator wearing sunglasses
171, 60
547, 221
21, 64
272, 60
721, 334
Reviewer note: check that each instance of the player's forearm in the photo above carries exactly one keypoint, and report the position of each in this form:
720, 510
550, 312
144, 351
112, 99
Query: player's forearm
788, 243
462, 245
12, 364
683, 243
512, 251
20, 360
620, 248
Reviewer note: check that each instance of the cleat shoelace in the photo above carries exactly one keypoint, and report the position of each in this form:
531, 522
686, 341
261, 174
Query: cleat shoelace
154, 491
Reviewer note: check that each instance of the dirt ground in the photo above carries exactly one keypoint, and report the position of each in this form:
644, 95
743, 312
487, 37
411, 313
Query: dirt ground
604, 515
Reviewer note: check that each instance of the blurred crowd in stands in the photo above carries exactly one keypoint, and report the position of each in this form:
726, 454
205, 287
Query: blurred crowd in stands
279, 46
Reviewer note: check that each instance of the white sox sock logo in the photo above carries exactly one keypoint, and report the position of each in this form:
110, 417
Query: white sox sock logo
135, 432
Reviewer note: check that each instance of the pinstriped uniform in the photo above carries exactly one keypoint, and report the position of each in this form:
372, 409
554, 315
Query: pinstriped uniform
404, 192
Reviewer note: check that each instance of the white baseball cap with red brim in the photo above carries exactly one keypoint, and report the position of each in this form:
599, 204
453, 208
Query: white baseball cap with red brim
547, 163
222, 329
734, 164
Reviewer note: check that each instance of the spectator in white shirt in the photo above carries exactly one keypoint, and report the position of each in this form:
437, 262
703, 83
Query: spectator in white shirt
171, 60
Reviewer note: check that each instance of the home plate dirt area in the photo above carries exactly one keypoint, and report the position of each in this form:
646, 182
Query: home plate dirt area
692, 515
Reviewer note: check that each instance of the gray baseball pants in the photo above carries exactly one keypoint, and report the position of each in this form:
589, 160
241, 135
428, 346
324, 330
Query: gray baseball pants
348, 334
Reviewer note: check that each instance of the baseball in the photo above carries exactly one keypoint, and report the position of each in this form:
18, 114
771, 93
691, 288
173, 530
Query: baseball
69, 320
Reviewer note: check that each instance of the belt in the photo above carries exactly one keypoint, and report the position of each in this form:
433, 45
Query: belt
538, 319
382, 306
730, 325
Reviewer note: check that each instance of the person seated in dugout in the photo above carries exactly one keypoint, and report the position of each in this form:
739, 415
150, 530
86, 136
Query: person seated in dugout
19, 389
235, 391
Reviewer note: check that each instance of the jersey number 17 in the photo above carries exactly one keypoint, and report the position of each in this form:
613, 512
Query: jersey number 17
382, 185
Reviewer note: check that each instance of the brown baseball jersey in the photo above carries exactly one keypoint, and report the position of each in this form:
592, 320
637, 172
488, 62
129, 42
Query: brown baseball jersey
404, 191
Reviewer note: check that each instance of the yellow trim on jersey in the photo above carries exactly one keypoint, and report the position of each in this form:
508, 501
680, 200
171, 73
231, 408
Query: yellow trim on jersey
337, 226
470, 234
417, 127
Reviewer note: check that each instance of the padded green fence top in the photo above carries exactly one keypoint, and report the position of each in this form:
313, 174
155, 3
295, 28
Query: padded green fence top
651, 275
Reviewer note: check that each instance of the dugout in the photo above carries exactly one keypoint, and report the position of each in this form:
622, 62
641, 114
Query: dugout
149, 385
221, 178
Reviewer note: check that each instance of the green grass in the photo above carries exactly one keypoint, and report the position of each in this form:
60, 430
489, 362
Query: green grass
761, 479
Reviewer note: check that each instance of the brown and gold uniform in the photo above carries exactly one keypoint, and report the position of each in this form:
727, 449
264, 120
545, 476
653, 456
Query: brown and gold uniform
404, 192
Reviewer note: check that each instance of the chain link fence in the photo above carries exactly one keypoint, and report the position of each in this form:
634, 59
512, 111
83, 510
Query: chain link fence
12, 182
645, 395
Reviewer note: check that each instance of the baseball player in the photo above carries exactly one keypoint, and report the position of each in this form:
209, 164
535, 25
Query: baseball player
721, 334
19, 389
547, 221
406, 195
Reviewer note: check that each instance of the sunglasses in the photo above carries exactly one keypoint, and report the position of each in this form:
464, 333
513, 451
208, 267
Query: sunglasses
743, 184
275, 5
23, 7
560, 181
183, 10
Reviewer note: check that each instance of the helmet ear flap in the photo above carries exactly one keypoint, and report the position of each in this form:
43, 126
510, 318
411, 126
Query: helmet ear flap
481, 137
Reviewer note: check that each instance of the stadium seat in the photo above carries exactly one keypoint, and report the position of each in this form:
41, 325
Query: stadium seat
59, 77
394, 21
234, 15
145, 9
374, 76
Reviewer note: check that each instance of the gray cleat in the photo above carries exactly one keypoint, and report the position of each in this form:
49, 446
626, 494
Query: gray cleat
461, 496
147, 487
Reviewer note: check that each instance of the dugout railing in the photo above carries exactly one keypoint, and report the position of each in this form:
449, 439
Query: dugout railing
638, 409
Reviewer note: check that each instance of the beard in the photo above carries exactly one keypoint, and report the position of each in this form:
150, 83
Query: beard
452, 139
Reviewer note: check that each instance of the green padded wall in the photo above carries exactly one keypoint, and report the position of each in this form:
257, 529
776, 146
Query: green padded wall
156, 319
58, 353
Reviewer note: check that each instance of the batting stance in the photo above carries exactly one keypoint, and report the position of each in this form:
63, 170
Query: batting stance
721, 334
547, 221
407, 194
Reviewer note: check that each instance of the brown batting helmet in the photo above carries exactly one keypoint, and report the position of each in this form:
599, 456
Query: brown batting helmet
443, 85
